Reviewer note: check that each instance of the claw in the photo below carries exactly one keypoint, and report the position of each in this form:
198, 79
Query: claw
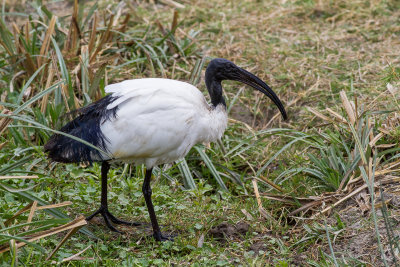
108, 218
118, 221
160, 237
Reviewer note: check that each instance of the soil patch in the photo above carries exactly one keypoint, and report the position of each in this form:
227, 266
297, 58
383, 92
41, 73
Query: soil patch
359, 239
226, 231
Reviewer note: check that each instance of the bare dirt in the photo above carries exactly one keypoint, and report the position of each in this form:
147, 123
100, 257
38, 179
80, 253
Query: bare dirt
226, 231
359, 239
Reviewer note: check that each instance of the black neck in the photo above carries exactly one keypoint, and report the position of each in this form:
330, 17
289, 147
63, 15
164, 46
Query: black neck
214, 88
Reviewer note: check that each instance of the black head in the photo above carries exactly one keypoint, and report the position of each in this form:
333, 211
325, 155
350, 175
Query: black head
220, 69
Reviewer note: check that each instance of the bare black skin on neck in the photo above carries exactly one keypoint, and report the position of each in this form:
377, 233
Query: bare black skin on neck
217, 70
215, 90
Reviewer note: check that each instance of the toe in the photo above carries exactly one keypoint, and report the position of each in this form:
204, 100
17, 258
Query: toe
162, 237
118, 221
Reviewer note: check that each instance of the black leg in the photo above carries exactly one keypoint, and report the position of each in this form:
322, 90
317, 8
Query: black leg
146, 189
103, 210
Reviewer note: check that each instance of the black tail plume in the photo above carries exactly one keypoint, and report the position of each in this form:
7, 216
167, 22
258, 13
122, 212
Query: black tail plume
85, 126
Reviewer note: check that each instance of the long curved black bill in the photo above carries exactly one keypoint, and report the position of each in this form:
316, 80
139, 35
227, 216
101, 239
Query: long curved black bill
250, 79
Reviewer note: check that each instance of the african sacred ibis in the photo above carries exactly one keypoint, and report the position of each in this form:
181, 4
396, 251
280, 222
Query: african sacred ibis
150, 121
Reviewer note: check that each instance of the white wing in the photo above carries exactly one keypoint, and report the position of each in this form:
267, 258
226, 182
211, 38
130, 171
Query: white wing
153, 86
158, 120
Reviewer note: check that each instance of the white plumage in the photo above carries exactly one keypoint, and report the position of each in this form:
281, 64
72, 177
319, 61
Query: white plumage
159, 120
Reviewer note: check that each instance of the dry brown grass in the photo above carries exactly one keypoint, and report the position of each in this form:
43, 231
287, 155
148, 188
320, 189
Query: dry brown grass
307, 51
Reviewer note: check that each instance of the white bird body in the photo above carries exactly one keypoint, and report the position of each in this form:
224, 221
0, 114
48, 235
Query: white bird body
159, 120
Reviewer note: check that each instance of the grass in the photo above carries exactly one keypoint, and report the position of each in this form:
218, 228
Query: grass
334, 65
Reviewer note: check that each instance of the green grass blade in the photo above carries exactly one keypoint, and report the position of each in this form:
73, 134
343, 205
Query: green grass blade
394, 245
64, 73
211, 167
188, 180
371, 190
55, 212
287, 174
19, 163
10, 237
234, 99
12, 190
234, 176
6, 40
41, 126
41, 222
21, 95
262, 169
96, 81
90, 13
358, 142
36, 97
330, 245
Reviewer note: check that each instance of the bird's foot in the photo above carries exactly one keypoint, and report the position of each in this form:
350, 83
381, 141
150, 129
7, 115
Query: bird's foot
108, 218
158, 236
